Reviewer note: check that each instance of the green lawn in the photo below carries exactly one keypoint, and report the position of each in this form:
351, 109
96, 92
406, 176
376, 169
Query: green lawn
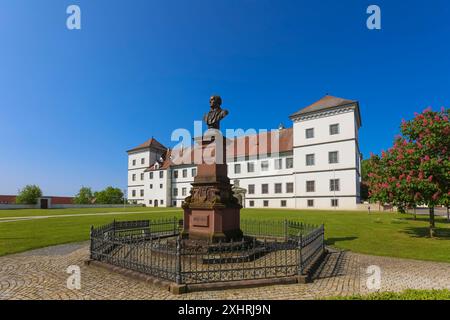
386, 234
41, 212
409, 294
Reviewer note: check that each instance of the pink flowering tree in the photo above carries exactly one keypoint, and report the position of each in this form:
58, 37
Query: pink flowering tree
416, 170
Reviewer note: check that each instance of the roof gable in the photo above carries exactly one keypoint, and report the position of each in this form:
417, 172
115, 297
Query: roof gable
327, 102
151, 143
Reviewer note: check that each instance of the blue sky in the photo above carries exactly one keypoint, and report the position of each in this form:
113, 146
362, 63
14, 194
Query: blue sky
72, 102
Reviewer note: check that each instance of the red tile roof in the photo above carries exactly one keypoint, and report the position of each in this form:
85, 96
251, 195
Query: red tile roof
151, 143
328, 102
259, 144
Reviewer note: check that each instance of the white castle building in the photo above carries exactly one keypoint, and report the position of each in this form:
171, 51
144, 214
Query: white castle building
317, 163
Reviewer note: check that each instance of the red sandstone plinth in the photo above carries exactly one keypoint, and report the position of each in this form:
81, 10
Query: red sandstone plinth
211, 212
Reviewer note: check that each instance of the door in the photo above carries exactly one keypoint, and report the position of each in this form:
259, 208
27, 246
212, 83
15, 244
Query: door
156, 203
44, 203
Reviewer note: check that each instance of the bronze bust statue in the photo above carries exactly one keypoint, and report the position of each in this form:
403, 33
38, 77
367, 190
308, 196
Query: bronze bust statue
213, 117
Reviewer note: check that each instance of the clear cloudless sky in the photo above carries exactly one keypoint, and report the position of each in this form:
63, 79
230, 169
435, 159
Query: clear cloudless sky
72, 102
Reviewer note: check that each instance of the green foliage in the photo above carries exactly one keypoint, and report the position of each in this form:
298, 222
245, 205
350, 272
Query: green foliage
84, 196
409, 294
29, 195
109, 196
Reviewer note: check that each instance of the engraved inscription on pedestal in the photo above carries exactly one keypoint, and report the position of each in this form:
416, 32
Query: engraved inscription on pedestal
200, 221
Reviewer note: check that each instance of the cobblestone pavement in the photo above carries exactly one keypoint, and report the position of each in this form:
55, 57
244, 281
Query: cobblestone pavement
41, 274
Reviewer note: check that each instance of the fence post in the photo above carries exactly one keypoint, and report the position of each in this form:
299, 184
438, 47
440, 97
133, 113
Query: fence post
300, 246
285, 230
92, 242
114, 230
178, 261
323, 237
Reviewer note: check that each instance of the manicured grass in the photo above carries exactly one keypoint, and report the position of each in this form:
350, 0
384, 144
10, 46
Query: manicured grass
25, 235
51, 212
409, 294
385, 234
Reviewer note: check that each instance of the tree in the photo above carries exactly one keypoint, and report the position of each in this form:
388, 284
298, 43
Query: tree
109, 196
29, 195
84, 196
416, 170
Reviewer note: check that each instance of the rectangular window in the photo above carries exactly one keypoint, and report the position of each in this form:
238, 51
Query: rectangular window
183, 192
310, 186
161, 186
277, 187
151, 175
134, 162
174, 203
309, 133
162, 201
142, 176
278, 164
289, 163
251, 189
175, 174
289, 187
142, 193
335, 202
133, 177
251, 203
333, 157
184, 173
264, 165
175, 192
265, 188
133, 193
150, 201
283, 203
266, 203
310, 203
151, 186
310, 159
250, 167
161, 174
237, 168
334, 185
334, 128
142, 160
194, 172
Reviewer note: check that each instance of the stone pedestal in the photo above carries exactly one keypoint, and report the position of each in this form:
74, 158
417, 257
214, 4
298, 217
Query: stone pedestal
211, 212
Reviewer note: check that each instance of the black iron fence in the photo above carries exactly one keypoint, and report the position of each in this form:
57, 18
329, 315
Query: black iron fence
268, 250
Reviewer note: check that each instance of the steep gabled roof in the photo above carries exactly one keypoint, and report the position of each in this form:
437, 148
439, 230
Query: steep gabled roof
151, 143
325, 103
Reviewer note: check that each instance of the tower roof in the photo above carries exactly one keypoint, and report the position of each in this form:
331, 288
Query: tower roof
325, 103
151, 143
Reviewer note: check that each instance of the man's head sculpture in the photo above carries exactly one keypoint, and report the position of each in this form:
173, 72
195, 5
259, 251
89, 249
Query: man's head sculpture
215, 114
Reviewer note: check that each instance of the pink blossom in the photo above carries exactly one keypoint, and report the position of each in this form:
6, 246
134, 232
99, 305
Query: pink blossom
398, 185
427, 158
408, 178
427, 110
421, 175
436, 196
430, 178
